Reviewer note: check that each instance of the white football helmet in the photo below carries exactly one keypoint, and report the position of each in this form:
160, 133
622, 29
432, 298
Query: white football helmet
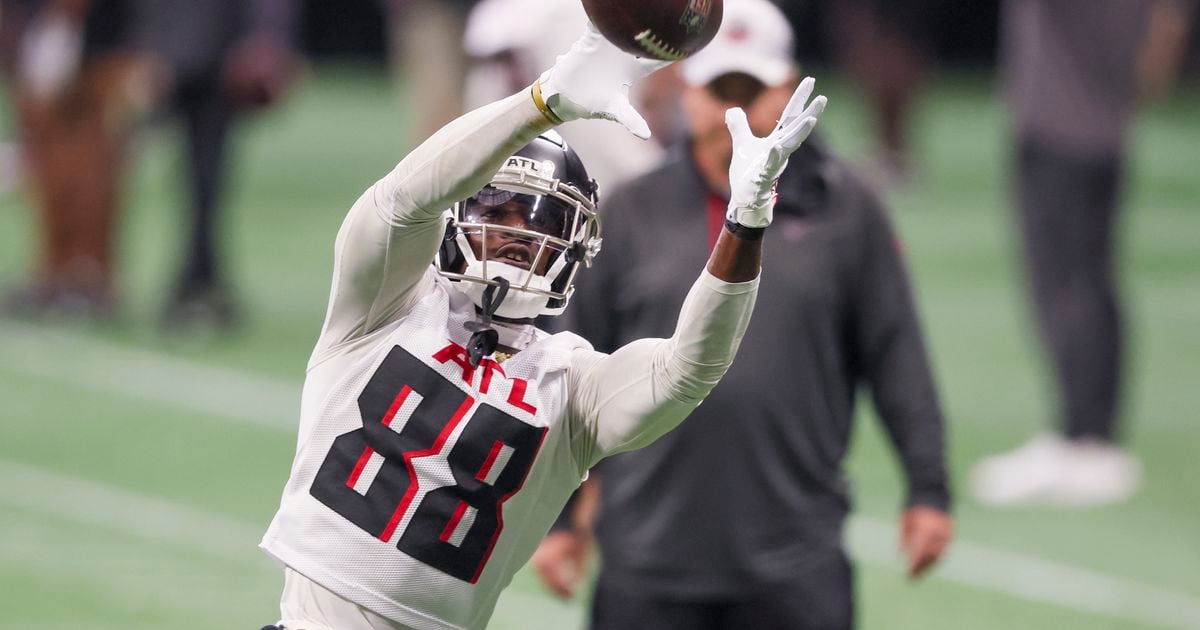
533, 225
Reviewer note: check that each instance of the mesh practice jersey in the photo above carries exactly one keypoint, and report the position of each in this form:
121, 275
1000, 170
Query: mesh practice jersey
420, 484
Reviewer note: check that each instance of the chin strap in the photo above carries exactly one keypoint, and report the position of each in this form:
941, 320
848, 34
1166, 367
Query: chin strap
484, 338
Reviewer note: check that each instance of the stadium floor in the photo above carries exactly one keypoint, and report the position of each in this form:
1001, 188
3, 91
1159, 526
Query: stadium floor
138, 470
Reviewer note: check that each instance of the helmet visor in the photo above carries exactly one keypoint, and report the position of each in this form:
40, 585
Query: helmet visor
544, 214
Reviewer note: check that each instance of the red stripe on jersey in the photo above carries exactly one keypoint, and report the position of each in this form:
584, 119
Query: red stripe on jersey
358, 467
454, 520
500, 510
412, 473
490, 461
387, 422
391, 412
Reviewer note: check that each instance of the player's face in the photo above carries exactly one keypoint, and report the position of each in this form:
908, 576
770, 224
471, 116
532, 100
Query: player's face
704, 107
541, 214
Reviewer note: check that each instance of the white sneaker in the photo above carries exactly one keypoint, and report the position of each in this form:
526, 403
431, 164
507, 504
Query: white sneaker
1023, 475
1097, 473
1050, 470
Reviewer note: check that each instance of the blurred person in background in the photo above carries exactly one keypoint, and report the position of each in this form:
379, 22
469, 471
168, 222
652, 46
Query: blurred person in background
1071, 79
425, 40
510, 41
218, 59
735, 519
78, 86
85, 70
882, 45
1165, 46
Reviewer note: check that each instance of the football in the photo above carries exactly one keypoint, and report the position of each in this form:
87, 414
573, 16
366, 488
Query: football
663, 29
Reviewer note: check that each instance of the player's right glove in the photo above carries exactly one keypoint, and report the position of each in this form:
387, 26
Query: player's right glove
758, 162
592, 80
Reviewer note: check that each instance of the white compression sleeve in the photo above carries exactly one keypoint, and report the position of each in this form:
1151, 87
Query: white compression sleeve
628, 399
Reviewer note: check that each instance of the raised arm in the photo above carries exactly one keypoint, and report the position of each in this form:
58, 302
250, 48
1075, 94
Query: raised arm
628, 399
386, 243
391, 235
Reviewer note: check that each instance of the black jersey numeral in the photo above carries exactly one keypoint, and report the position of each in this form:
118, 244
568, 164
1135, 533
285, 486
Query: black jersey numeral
455, 527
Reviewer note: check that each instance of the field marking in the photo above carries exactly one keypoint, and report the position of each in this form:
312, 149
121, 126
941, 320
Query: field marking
100, 506
153, 519
54, 555
109, 368
1030, 578
252, 398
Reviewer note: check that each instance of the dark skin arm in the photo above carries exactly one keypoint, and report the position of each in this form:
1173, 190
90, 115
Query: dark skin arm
735, 259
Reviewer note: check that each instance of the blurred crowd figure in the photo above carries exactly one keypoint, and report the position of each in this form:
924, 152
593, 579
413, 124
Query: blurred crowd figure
883, 47
425, 41
222, 58
77, 88
735, 518
1165, 46
83, 74
1071, 78
498, 47
510, 42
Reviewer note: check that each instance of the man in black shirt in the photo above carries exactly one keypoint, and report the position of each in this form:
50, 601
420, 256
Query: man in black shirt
734, 520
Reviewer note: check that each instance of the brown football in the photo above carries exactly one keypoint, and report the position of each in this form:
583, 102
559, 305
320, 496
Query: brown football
662, 29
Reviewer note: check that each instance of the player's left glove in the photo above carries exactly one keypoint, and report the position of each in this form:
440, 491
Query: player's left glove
592, 80
758, 162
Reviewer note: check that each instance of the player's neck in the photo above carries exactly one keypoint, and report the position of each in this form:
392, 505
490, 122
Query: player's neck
515, 335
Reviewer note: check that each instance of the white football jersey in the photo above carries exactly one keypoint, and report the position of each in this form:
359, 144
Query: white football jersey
420, 484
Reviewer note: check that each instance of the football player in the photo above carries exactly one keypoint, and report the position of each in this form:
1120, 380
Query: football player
440, 431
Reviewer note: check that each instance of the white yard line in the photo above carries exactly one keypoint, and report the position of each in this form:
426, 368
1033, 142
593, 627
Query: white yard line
109, 368
81, 360
1034, 579
149, 518
97, 564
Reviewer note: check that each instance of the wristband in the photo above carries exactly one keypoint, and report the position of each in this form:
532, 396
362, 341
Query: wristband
542, 106
743, 232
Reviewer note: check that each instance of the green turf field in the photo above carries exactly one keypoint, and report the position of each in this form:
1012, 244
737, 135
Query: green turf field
137, 471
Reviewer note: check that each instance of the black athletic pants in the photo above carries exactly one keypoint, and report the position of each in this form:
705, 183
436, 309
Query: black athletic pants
820, 599
207, 114
1068, 206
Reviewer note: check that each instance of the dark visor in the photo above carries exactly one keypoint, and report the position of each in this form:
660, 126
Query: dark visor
540, 213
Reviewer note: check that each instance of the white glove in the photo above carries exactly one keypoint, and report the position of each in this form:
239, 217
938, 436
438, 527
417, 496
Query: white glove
592, 80
758, 162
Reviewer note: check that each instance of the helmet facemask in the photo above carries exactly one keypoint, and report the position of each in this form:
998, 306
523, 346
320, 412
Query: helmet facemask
530, 229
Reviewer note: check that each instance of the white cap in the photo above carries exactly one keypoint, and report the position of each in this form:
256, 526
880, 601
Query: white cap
755, 38
495, 26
